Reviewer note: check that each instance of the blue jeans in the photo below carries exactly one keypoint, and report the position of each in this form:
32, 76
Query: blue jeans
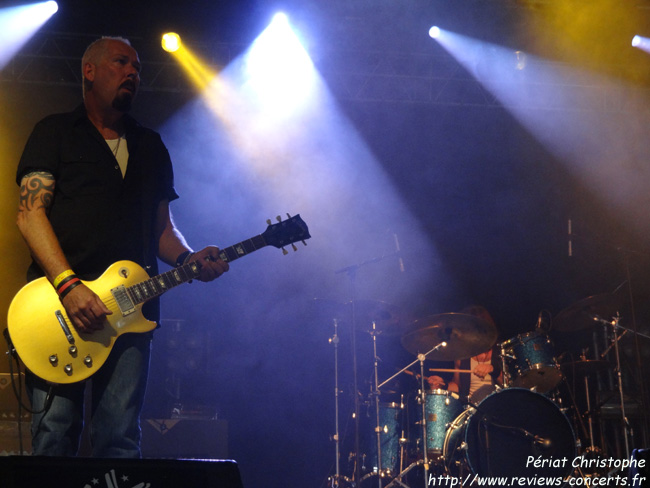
118, 390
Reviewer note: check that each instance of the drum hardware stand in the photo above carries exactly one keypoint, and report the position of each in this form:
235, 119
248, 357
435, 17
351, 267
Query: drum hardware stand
590, 422
504, 365
425, 461
351, 271
579, 421
614, 324
334, 340
380, 472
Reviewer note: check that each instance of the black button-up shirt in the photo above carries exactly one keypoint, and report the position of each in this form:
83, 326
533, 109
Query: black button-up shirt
98, 216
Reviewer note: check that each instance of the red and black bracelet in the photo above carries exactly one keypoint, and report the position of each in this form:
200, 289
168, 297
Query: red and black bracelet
67, 285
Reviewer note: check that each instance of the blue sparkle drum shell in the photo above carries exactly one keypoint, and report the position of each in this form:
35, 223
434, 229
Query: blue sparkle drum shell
390, 425
530, 362
509, 426
441, 408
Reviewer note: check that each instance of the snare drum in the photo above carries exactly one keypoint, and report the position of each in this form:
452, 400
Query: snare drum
530, 363
497, 438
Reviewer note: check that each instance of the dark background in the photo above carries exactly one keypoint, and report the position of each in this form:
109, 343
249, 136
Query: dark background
480, 201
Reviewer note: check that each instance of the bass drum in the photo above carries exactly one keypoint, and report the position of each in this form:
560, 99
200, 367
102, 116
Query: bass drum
497, 438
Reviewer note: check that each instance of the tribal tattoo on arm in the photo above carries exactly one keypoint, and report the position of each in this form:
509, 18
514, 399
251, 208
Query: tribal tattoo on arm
36, 191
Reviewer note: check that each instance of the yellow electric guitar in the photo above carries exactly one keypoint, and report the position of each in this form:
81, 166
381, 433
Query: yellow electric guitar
51, 347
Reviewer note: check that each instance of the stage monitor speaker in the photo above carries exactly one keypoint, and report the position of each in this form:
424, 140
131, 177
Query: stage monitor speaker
184, 438
52, 472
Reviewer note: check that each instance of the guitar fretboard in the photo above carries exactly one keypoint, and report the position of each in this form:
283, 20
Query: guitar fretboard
156, 286
242, 249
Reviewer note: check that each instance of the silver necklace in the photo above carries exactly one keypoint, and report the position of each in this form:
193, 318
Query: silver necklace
116, 149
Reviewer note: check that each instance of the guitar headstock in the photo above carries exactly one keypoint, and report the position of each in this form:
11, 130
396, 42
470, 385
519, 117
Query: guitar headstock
286, 232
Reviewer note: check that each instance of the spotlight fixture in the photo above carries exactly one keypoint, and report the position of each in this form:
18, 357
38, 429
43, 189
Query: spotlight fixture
434, 32
171, 42
636, 41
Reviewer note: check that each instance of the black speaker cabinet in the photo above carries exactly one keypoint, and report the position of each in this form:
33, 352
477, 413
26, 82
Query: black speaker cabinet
184, 438
51, 472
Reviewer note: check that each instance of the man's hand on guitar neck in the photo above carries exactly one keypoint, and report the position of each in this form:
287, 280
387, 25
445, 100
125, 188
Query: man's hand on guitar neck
85, 309
211, 265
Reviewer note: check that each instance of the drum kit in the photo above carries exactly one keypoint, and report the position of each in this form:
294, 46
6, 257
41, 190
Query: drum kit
532, 412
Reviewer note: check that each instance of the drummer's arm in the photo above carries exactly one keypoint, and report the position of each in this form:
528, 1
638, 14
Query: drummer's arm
454, 383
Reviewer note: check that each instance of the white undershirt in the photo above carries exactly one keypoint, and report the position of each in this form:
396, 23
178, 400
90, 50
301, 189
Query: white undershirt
120, 150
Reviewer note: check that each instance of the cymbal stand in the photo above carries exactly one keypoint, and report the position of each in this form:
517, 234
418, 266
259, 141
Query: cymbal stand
619, 377
334, 340
614, 324
380, 473
351, 272
420, 358
590, 422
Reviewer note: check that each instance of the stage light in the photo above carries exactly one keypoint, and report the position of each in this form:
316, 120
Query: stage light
642, 43
52, 7
18, 25
434, 32
278, 68
171, 42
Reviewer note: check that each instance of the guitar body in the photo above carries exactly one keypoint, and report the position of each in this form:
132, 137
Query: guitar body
40, 339
51, 347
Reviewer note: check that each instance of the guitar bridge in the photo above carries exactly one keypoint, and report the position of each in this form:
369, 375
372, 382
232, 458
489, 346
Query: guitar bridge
123, 300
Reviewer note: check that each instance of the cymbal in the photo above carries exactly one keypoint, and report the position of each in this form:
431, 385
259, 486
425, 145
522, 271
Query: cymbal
388, 318
586, 366
465, 335
580, 314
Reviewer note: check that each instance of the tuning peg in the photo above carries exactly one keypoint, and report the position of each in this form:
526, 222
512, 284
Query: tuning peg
304, 243
284, 251
293, 246
288, 216
268, 221
278, 218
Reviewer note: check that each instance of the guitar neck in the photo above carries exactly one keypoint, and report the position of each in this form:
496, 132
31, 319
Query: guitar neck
242, 249
159, 284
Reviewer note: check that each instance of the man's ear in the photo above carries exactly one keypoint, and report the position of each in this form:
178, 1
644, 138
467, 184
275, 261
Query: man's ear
89, 72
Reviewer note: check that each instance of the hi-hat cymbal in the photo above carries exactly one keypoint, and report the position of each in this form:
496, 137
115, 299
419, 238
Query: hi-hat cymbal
465, 335
580, 315
389, 319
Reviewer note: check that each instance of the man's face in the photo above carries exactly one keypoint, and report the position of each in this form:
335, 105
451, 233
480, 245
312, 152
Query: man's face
116, 76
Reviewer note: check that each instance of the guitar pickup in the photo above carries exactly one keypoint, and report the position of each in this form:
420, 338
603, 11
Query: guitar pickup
123, 300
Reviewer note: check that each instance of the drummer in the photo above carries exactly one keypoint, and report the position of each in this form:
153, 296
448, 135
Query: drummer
486, 370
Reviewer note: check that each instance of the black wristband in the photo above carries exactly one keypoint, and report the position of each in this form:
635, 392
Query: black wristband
69, 289
65, 280
182, 257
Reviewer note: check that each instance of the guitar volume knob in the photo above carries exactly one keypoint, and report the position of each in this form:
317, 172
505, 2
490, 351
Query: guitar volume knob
68, 369
54, 360
88, 361
73, 350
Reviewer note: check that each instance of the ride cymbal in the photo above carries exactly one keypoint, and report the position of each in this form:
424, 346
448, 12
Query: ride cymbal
465, 335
